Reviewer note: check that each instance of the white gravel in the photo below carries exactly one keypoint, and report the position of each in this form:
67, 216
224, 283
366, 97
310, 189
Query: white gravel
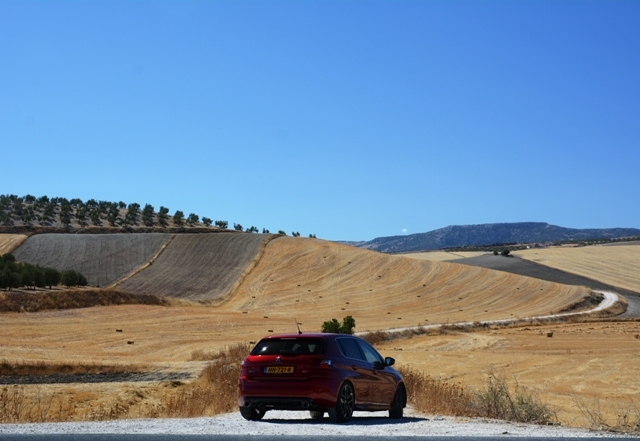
300, 423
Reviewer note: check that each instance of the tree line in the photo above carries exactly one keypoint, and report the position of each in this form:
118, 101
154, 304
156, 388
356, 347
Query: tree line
45, 211
15, 274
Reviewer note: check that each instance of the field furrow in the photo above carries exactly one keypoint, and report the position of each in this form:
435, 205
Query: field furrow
9, 242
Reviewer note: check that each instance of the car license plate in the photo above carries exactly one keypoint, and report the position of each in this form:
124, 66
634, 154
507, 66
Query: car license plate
278, 370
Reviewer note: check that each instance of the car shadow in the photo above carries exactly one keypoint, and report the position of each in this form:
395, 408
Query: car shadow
354, 421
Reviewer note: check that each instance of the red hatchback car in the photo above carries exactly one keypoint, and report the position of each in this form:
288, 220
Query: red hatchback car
334, 373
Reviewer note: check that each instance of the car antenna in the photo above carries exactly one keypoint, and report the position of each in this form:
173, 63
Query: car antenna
297, 325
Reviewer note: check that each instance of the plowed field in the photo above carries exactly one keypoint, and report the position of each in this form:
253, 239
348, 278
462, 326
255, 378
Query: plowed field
8, 242
198, 266
617, 266
102, 258
318, 280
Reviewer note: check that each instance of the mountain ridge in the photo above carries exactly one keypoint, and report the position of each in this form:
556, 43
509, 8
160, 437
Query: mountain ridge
488, 234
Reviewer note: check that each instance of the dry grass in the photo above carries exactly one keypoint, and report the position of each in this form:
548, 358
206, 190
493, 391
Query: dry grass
614, 265
214, 392
9, 242
44, 300
495, 399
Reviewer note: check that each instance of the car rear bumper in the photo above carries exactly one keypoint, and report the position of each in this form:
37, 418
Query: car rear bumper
274, 395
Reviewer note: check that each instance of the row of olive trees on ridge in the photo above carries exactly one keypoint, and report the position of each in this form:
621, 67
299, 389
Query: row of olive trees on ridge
46, 211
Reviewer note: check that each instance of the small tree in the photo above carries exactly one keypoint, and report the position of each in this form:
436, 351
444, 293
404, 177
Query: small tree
282, 232
222, 224
334, 327
52, 277
178, 218
237, 227
193, 219
147, 215
69, 278
162, 216
505, 252
206, 221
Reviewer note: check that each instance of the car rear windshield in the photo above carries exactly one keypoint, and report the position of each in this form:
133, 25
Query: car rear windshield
289, 346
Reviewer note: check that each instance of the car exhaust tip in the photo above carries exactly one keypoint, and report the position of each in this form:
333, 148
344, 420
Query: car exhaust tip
305, 405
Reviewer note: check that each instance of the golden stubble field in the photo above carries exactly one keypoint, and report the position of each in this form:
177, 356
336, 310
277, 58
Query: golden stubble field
614, 264
9, 242
311, 280
583, 364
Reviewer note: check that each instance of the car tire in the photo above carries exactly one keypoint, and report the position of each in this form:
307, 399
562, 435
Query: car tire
397, 405
343, 410
316, 414
252, 413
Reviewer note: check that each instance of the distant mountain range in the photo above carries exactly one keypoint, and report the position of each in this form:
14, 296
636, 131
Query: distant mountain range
488, 234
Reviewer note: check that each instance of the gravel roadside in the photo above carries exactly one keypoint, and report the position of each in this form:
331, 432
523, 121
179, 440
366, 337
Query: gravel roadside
299, 423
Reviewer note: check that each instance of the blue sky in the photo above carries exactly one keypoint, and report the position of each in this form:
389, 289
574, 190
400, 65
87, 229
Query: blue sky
347, 119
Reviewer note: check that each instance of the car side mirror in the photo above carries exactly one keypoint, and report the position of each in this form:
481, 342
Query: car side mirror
389, 361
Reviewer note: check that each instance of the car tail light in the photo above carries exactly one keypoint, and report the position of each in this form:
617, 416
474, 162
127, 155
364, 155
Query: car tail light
245, 362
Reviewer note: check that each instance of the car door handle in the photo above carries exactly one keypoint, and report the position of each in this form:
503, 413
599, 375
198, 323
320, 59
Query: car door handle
354, 367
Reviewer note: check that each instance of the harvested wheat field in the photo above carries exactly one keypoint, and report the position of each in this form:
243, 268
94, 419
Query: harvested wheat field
102, 258
316, 280
581, 365
198, 266
309, 279
8, 242
617, 265
443, 256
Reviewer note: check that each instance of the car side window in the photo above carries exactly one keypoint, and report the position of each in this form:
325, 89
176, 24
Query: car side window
370, 354
349, 348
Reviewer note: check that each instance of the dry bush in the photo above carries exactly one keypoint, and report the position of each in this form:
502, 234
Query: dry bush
522, 405
627, 418
216, 391
17, 407
495, 400
76, 298
429, 395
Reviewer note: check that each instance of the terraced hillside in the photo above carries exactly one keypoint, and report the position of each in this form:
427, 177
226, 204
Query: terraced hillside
318, 280
615, 264
198, 266
8, 242
102, 258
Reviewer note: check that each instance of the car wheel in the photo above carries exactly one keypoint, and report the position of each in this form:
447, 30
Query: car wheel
316, 414
343, 410
252, 413
397, 405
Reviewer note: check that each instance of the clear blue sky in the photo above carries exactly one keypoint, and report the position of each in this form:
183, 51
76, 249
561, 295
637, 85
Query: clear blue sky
347, 119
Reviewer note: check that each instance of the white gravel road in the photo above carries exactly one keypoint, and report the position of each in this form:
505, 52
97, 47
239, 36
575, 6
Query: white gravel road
299, 423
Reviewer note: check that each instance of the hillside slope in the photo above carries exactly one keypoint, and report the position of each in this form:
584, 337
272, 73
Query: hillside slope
486, 234
316, 280
102, 258
198, 266
8, 242
617, 265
